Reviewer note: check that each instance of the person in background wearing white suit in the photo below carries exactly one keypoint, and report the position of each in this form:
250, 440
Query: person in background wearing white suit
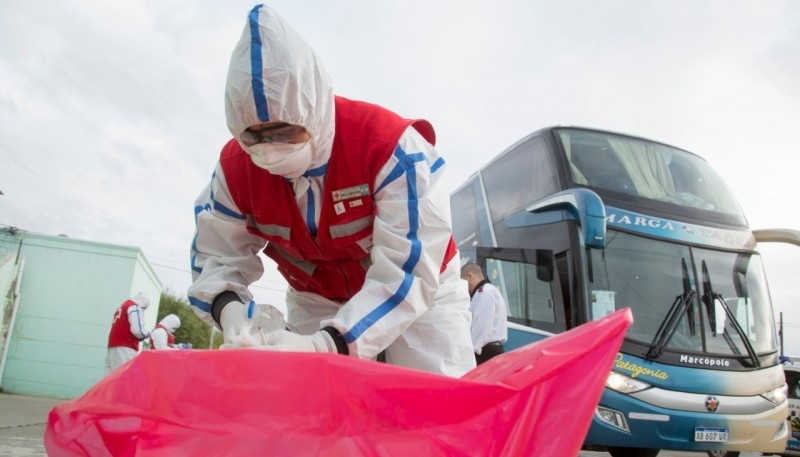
163, 335
346, 197
127, 330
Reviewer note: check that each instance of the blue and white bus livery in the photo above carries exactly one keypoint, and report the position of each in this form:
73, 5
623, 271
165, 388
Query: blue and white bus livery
572, 224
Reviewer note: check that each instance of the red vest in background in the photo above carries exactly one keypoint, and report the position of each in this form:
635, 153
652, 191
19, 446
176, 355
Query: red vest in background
334, 263
120, 334
170, 336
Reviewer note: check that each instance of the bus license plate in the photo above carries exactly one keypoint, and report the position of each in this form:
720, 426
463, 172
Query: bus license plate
710, 434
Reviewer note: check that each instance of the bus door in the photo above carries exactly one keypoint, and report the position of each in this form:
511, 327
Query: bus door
534, 283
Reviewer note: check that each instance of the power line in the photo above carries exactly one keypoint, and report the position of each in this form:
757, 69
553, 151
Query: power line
183, 269
171, 268
16, 162
256, 286
186, 270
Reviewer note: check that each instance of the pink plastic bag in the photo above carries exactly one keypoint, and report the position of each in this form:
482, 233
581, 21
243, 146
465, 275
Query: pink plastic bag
537, 400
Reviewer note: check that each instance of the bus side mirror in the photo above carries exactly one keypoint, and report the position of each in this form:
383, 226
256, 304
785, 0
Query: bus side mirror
544, 265
788, 236
580, 204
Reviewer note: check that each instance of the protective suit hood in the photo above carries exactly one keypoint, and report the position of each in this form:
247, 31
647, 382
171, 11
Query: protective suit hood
171, 322
274, 75
141, 300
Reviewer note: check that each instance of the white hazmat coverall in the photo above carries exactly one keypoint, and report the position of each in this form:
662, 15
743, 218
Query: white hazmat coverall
127, 330
160, 334
428, 325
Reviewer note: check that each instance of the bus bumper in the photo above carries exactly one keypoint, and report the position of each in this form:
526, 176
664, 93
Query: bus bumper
654, 427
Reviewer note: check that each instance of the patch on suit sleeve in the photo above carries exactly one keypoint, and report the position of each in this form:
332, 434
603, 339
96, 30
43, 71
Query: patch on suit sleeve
361, 190
339, 208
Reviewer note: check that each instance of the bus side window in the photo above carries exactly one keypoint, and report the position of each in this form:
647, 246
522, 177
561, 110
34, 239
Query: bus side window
529, 298
470, 220
519, 178
464, 216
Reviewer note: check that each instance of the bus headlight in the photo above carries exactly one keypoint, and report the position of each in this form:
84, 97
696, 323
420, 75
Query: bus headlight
624, 384
776, 396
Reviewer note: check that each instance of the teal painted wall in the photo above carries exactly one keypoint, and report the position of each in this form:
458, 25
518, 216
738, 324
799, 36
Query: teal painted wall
69, 292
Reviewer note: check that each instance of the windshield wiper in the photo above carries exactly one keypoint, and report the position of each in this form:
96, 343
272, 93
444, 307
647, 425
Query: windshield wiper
682, 304
686, 288
710, 299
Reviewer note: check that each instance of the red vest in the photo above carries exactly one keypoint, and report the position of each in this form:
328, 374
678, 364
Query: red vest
170, 337
333, 264
120, 334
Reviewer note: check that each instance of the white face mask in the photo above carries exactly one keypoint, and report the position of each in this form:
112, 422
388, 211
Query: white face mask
282, 159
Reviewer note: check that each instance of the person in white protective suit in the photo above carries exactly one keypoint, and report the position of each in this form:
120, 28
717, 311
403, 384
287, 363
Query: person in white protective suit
163, 335
127, 330
346, 197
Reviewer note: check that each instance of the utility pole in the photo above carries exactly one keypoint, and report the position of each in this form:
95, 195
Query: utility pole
214, 329
780, 331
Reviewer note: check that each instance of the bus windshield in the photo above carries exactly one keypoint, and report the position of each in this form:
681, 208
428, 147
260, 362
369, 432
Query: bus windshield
726, 315
645, 169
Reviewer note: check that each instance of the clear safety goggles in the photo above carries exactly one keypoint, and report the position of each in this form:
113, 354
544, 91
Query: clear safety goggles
280, 133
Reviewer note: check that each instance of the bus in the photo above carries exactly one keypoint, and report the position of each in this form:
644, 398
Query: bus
573, 223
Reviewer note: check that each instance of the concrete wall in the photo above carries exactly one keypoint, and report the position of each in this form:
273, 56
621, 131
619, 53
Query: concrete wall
69, 292
9, 268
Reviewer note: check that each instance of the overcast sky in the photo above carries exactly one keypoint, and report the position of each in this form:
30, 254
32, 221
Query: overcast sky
112, 115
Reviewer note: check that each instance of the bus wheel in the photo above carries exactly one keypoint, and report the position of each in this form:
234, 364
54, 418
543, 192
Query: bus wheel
632, 452
723, 454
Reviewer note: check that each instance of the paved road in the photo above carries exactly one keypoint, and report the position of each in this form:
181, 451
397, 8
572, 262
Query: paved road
668, 454
22, 441
23, 420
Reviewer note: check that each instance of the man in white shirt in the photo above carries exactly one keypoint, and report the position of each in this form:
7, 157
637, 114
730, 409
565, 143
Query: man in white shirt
489, 328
